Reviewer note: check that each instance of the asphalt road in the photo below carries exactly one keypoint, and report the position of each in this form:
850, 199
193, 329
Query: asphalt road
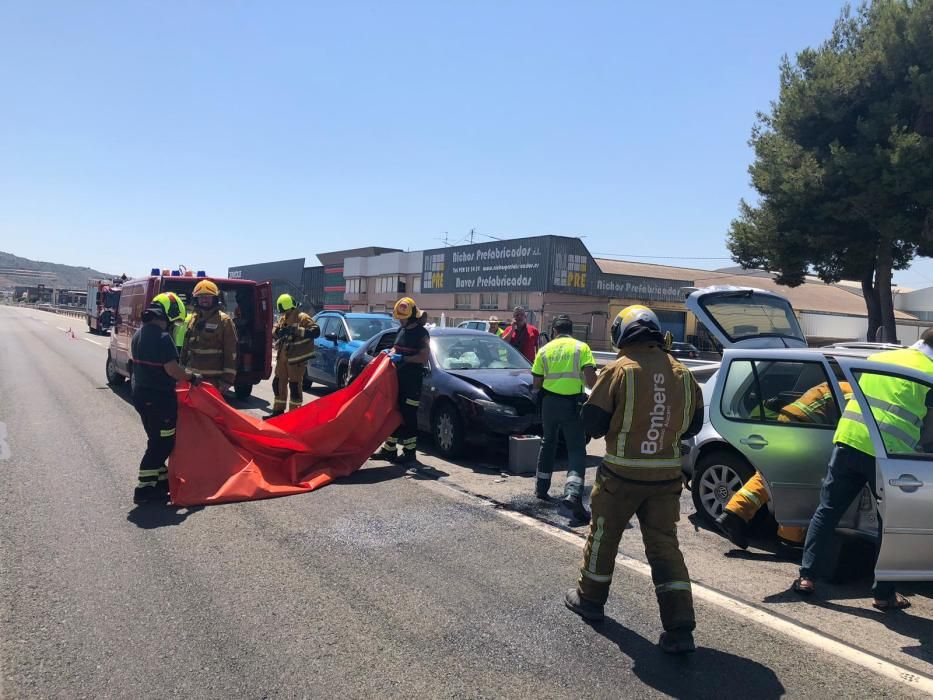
378, 586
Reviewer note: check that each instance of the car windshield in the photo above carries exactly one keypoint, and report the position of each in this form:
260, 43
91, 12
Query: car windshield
748, 315
476, 352
366, 328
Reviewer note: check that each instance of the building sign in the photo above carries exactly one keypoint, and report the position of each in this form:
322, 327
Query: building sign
540, 264
642, 288
507, 266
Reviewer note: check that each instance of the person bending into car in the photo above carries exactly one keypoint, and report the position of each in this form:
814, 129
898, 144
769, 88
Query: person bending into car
815, 407
899, 407
409, 354
155, 371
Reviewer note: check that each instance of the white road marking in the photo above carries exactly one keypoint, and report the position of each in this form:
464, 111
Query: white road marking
61, 329
888, 669
88, 340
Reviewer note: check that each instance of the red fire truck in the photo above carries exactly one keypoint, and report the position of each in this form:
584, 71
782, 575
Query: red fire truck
103, 298
248, 303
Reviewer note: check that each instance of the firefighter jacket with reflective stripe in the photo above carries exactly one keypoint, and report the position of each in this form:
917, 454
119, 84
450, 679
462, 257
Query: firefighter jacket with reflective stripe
561, 363
299, 345
210, 345
898, 405
652, 400
816, 406
177, 330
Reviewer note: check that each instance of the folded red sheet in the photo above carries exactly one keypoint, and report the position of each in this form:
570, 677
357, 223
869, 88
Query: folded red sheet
223, 455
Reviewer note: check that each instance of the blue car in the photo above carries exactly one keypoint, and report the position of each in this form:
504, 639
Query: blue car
341, 335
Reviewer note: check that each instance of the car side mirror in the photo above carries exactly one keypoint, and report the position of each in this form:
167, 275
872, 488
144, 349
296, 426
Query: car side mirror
331, 337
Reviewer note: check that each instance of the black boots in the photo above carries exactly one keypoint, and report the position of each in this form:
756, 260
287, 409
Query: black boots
586, 609
572, 508
733, 527
677, 642
157, 493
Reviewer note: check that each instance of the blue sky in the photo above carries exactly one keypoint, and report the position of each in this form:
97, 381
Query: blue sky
139, 134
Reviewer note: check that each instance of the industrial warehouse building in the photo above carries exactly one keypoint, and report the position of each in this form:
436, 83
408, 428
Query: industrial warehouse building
551, 275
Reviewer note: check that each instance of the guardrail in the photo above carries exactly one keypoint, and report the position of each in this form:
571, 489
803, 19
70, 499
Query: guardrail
69, 311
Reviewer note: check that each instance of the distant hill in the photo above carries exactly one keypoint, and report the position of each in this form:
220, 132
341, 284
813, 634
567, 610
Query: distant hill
55, 275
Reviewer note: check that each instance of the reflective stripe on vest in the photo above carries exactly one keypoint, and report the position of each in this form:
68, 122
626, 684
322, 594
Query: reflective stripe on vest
562, 375
898, 408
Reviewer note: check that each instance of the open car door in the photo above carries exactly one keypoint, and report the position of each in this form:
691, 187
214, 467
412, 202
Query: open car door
904, 479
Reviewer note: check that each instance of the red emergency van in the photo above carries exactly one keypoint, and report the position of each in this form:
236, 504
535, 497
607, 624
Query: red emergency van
248, 303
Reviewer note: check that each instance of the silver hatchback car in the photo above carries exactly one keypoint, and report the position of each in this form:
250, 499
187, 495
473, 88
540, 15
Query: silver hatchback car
766, 365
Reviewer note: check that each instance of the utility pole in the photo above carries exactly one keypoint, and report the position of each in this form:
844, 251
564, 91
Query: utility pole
472, 231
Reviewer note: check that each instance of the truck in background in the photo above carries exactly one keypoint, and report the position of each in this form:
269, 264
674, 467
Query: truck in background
103, 298
248, 303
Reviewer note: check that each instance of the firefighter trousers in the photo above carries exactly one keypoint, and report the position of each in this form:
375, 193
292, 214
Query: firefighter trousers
751, 498
657, 506
561, 414
287, 384
409, 398
159, 413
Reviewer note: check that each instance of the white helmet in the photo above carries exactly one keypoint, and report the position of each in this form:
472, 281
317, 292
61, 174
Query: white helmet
632, 318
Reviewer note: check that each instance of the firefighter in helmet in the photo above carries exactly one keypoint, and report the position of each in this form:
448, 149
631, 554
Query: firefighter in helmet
210, 339
644, 403
409, 355
177, 315
294, 336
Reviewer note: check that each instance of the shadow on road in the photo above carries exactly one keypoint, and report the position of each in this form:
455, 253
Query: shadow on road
149, 516
373, 475
698, 675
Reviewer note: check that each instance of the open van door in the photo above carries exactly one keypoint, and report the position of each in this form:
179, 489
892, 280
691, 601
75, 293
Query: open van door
264, 325
904, 479
747, 317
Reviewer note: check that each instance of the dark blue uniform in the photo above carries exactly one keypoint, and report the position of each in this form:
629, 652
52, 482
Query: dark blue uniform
154, 400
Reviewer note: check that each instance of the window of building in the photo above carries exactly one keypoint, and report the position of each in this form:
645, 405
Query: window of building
463, 301
489, 302
518, 299
356, 286
416, 285
387, 284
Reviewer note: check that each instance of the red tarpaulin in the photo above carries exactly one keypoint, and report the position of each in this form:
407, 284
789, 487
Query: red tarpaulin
224, 455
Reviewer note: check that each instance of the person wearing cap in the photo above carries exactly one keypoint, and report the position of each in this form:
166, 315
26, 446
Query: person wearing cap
522, 335
561, 370
409, 355
155, 371
899, 407
644, 402
210, 346
494, 326
294, 335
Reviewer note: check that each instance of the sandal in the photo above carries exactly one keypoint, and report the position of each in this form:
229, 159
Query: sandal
895, 602
803, 588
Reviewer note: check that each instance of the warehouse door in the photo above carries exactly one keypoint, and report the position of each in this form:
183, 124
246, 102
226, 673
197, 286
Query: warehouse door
673, 321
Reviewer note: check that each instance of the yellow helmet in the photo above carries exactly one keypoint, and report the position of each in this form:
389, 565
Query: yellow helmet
285, 302
206, 287
631, 318
174, 308
405, 309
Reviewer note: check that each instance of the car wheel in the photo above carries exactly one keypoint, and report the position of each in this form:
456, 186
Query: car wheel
447, 429
341, 376
114, 378
717, 476
242, 391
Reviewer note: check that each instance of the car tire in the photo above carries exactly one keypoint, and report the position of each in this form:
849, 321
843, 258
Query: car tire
242, 391
341, 376
716, 477
114, 378
447, 430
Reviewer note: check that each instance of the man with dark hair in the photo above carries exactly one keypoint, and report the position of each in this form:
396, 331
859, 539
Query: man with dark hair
155, 371
521, 335
560, 370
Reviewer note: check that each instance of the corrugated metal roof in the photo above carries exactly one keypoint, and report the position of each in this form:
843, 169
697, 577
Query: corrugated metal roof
809, 296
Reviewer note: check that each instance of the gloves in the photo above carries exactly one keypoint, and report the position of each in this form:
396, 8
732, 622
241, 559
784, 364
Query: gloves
195, 379
397, 359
